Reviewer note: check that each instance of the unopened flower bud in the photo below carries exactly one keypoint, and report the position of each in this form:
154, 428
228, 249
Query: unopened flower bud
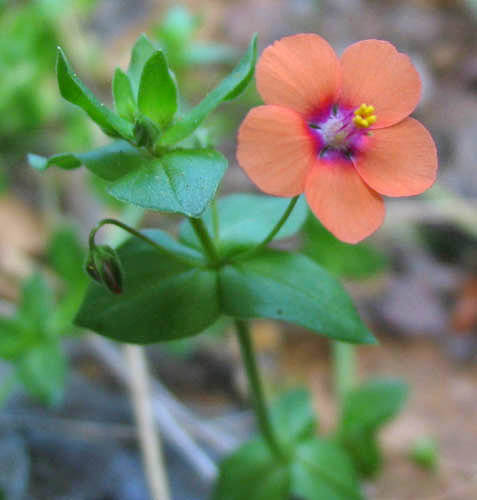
104, 266
145, 132
91, 269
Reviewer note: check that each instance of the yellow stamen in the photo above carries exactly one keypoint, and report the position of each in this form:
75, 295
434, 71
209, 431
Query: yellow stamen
371, 119
364, 117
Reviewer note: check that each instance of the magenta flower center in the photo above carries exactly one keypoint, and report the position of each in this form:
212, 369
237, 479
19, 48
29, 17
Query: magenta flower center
340, 130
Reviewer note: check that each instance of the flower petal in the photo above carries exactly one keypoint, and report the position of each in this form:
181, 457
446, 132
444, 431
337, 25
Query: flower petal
276, 150
375, 73
301, 72
343, 203
400, 160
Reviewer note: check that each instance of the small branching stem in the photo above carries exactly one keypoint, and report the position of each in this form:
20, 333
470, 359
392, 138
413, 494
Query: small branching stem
344, 368
143, 237
206, 241
272, 233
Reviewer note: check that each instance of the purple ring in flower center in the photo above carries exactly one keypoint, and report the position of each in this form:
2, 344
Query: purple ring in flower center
340, 131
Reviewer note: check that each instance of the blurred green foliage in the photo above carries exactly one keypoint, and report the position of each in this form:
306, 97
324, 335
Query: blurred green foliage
34, 117
348, 261
425, 452
366, 409
177, 33
30, 339
30, 32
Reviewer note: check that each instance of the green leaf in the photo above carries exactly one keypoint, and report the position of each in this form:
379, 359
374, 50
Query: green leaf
107, 162
252, 473
366, 409
245, 219
13, 341
163, 299
143, 49
321, 470
31, 324
351, 261
67, 161
292, 288
183, 181
43, 372
157, 97
66, 254
293, 417
74, 91
228, 89
316, 470
123, 96
36, 305
113, 161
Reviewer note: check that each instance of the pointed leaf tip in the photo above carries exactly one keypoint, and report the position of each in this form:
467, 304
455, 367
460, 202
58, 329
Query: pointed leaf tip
229, 88
37, 162
157, 97
76, 92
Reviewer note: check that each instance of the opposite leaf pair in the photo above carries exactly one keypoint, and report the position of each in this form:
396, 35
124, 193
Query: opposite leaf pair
142, 167
178, 293
314, 468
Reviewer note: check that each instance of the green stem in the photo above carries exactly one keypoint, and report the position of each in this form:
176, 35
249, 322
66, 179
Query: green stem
132, 215
272, 233
344, 369
215, 221
206, 241
250, 363
143, 237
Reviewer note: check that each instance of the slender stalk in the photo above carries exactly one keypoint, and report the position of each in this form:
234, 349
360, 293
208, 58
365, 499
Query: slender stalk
132, 215
148, 436
215, 221
206, 241
272, 233
143, 237
344, 369
250, 363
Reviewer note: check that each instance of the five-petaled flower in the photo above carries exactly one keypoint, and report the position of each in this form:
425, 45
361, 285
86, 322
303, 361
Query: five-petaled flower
337, 130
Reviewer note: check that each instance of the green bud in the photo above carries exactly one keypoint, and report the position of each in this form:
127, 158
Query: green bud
104, 266
145, 132
91, 269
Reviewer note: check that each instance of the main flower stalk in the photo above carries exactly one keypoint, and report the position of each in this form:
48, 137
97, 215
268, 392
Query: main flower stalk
256, 387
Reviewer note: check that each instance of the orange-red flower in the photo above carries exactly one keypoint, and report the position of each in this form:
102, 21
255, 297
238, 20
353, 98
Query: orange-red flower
337, 130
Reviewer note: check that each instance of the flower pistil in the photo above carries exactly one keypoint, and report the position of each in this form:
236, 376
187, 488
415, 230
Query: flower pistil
340, 130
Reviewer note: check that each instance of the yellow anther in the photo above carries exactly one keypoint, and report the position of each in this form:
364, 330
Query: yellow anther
360, 122
364, 117
361, 110
372, 119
